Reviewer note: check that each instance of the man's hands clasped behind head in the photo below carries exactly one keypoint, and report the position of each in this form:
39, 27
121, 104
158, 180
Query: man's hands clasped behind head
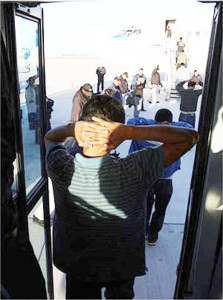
102, 133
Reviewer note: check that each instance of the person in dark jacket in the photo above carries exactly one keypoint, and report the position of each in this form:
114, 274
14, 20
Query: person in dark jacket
79, 100
135, 78
101, 71
134, 82
138, 95
116, 87
155, 81
124, 83
188, 104
161, 192
197, 78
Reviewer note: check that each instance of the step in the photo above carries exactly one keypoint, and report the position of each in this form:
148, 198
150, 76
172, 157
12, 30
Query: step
174, 96
174, 93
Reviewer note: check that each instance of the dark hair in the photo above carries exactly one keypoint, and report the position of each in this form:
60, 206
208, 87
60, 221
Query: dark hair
105, 107
87, 87
191, 83
164, 115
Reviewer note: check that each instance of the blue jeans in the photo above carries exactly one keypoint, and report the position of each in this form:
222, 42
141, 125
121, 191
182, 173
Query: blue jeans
136, 110
160, 194
187, 118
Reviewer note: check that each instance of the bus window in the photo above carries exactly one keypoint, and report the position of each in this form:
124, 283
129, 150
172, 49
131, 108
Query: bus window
28, 75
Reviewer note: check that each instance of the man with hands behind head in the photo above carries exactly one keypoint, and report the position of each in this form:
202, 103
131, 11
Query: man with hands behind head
99, 204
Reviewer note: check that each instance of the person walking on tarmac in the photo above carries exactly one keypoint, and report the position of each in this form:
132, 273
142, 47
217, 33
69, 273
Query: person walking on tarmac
79, 100
134, 82
155, 81
161, 192
101, 71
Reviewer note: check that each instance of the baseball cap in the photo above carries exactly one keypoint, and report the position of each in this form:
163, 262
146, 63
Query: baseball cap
117, 78
87, 87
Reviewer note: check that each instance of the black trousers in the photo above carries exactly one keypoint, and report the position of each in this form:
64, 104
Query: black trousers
160, 194
76, 289
142, 106
100, 83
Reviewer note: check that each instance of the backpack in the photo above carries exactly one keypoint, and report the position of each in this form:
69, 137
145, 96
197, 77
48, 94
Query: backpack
130, 100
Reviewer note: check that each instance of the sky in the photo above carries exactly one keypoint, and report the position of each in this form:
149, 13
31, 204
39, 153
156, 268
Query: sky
81, 26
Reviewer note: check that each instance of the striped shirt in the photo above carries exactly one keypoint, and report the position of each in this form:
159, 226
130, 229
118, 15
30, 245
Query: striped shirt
100, 210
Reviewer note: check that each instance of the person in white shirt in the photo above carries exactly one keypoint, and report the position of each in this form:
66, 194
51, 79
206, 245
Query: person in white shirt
182, 74
182, 58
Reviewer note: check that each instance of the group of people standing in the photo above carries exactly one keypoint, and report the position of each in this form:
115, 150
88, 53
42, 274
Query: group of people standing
119, 89
133, 95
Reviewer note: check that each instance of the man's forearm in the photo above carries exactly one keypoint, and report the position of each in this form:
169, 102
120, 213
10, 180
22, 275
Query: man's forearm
59, 134
176, 140
180, 87
87, 134
164, 134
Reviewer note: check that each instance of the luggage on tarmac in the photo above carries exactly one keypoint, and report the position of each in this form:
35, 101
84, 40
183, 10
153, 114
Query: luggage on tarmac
130, 100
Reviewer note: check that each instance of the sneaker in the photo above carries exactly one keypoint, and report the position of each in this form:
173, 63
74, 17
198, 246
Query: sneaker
152, 239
